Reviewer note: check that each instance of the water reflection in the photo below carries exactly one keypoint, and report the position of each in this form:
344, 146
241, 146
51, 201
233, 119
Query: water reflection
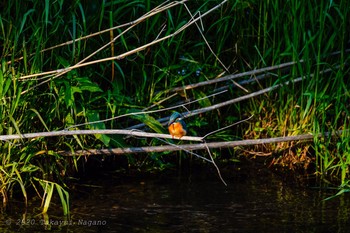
194, 204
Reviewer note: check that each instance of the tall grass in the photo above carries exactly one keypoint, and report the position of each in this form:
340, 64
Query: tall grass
244, 35
310, 31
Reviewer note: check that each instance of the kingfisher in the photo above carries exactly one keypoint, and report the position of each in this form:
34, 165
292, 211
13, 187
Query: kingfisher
176, 126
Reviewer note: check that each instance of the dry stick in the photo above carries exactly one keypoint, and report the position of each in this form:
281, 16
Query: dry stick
216, 166
154, 11
121, 56
84, 37
111, 34
225, 88
130, 132
143, 134
66, 70
222, 104
98, 131
198, 111
60, 72
256, 78
232, 101
234, 76
200, 146
245, 97
78, 39
229, 102
219, 91
240, 75
143, 47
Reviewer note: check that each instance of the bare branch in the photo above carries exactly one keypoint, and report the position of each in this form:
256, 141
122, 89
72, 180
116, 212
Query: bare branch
200, 146
128, 53
135, 133
234, 76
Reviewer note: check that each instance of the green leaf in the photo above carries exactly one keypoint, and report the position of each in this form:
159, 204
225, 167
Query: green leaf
69, 97
40, 118
85, 84
48, 191
76, 90
64, 196
95, 116
204, 102
150, 122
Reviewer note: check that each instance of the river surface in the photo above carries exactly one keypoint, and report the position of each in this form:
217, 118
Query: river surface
252, 202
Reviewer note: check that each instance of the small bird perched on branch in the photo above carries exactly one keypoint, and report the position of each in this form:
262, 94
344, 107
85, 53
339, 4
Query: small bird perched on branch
176, 126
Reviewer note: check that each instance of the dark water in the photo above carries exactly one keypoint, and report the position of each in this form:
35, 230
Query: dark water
171, 203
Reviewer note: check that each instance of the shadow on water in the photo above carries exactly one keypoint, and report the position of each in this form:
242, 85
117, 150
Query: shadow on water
252, 202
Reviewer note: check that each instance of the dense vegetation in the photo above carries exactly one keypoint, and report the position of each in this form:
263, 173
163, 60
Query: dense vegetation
42, 36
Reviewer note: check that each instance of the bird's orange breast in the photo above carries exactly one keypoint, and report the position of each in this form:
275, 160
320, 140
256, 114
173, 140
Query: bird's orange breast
176, 130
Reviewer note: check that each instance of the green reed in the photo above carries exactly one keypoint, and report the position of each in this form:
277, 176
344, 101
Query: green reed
310, 31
